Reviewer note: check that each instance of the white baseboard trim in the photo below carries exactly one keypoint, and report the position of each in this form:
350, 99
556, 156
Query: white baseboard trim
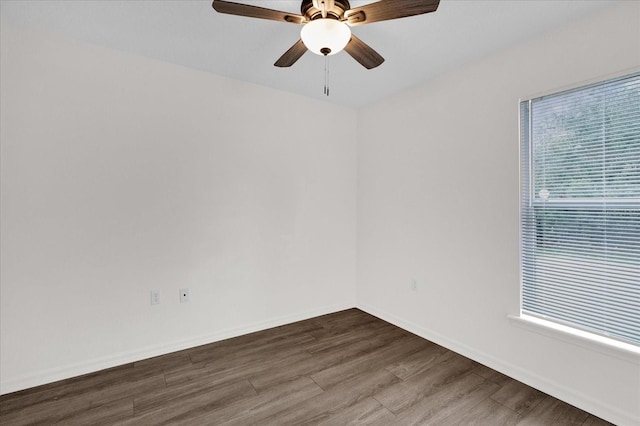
54, 374
584, 402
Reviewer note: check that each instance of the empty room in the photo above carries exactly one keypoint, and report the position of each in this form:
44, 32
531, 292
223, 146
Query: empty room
296, 212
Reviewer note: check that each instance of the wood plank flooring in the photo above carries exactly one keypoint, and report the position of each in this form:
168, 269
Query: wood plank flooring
346, 368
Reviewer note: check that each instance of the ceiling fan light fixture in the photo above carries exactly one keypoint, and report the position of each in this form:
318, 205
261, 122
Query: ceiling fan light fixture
325, 35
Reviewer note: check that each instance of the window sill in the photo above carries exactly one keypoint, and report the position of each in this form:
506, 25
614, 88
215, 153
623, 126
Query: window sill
624, 351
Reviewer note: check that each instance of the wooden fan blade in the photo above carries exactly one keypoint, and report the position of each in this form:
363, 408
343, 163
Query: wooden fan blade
384, 10
292, 55
363, 53
256, 12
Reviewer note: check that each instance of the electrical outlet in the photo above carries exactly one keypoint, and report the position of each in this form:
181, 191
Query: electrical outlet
414, 285
155, 297
184, 295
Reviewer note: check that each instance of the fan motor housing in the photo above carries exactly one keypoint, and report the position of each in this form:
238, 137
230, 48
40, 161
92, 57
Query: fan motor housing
337, 12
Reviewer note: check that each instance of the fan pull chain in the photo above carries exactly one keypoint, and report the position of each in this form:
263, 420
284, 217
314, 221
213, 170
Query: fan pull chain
325, 51
326, 75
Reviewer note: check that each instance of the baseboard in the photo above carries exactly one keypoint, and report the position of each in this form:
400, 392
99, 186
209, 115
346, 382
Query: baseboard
586, 403
53, 375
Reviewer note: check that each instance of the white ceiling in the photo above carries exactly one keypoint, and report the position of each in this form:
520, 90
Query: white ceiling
192, 34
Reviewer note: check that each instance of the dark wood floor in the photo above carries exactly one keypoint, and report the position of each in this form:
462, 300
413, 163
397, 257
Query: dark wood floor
344, 368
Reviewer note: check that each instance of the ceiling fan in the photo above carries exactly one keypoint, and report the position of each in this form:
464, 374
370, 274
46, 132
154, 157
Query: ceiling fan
326, 25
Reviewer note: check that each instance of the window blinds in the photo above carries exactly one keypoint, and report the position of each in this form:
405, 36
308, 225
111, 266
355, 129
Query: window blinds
580, 208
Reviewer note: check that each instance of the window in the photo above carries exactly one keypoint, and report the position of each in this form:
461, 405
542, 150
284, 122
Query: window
580, 208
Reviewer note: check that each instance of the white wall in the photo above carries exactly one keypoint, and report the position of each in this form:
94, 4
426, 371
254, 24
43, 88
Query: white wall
438, 202
122, 174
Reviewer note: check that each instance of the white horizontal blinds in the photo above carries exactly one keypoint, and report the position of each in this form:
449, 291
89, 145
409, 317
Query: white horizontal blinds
580, 221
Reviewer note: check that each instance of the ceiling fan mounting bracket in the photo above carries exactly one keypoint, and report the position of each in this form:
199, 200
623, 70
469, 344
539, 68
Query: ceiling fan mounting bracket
293, 19
309, 11
356, 17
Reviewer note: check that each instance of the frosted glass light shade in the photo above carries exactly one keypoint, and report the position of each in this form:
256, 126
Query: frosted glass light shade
325, 33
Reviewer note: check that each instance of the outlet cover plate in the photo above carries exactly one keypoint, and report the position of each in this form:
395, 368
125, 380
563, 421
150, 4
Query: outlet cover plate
155, 297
